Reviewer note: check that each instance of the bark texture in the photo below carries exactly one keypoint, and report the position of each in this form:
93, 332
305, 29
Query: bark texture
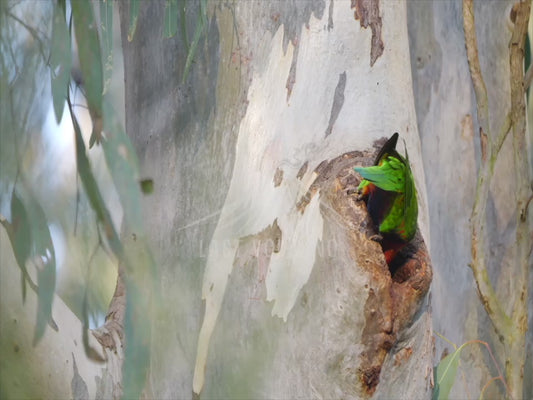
450, 132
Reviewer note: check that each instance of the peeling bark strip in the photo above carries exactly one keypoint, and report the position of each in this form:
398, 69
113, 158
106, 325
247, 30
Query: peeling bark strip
302, 170
367, 12
338, 102
278, 177
291, 79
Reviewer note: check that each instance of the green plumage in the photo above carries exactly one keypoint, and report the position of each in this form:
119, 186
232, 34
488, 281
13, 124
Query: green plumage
390, 187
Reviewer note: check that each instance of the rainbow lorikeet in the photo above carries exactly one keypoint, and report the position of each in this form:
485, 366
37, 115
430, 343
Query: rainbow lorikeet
391, 198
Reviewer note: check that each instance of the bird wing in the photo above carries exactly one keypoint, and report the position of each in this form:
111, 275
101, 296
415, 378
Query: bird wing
389, 175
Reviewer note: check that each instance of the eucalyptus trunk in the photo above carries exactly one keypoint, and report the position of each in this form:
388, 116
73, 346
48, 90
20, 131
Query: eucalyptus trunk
271, 285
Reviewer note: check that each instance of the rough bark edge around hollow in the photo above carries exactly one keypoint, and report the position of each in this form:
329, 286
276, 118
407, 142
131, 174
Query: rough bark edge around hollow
393, 300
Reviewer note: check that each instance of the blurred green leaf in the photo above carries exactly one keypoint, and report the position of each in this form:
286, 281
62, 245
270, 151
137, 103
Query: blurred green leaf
91, 188
60, 61
89, 351
45, 262
134, 14
201, 25
90, 62
24, 228
123, 165
19, 233
171, 18
29, 236
138, 333
21, 239
106, 33
183, 24
124, 168
445, 375
62, 4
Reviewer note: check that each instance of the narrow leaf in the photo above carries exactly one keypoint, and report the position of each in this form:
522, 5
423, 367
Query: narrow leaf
19, 233
60, 61
45, 261
200, 25
139, 262
445, 375
20, 224
134, 14
123, 165
62, 4
106, 33
171, 18
138, 332
91, 188
90, 352
90, 61
183, 25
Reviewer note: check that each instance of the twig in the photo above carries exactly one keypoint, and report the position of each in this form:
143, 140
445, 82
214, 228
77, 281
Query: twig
496, 365
486, 385
486, 345
446, 339
33, 32
500, 139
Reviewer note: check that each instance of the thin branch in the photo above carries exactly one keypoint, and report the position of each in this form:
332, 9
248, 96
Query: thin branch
500, 139
17, 68
446, 339
496, 365
516, 357
33, 32
493, 379
487, 295
494, 362
475, 68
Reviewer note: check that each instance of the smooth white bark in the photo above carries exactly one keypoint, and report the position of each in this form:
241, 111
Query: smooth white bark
281, 132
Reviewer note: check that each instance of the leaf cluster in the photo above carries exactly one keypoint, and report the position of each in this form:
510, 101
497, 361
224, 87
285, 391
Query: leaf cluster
27, 226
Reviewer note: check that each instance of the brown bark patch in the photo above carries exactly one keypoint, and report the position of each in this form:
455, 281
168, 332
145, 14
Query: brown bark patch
291, 79
367, 12
111, 334
253, 256
302, 170
402, 356
278, 177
